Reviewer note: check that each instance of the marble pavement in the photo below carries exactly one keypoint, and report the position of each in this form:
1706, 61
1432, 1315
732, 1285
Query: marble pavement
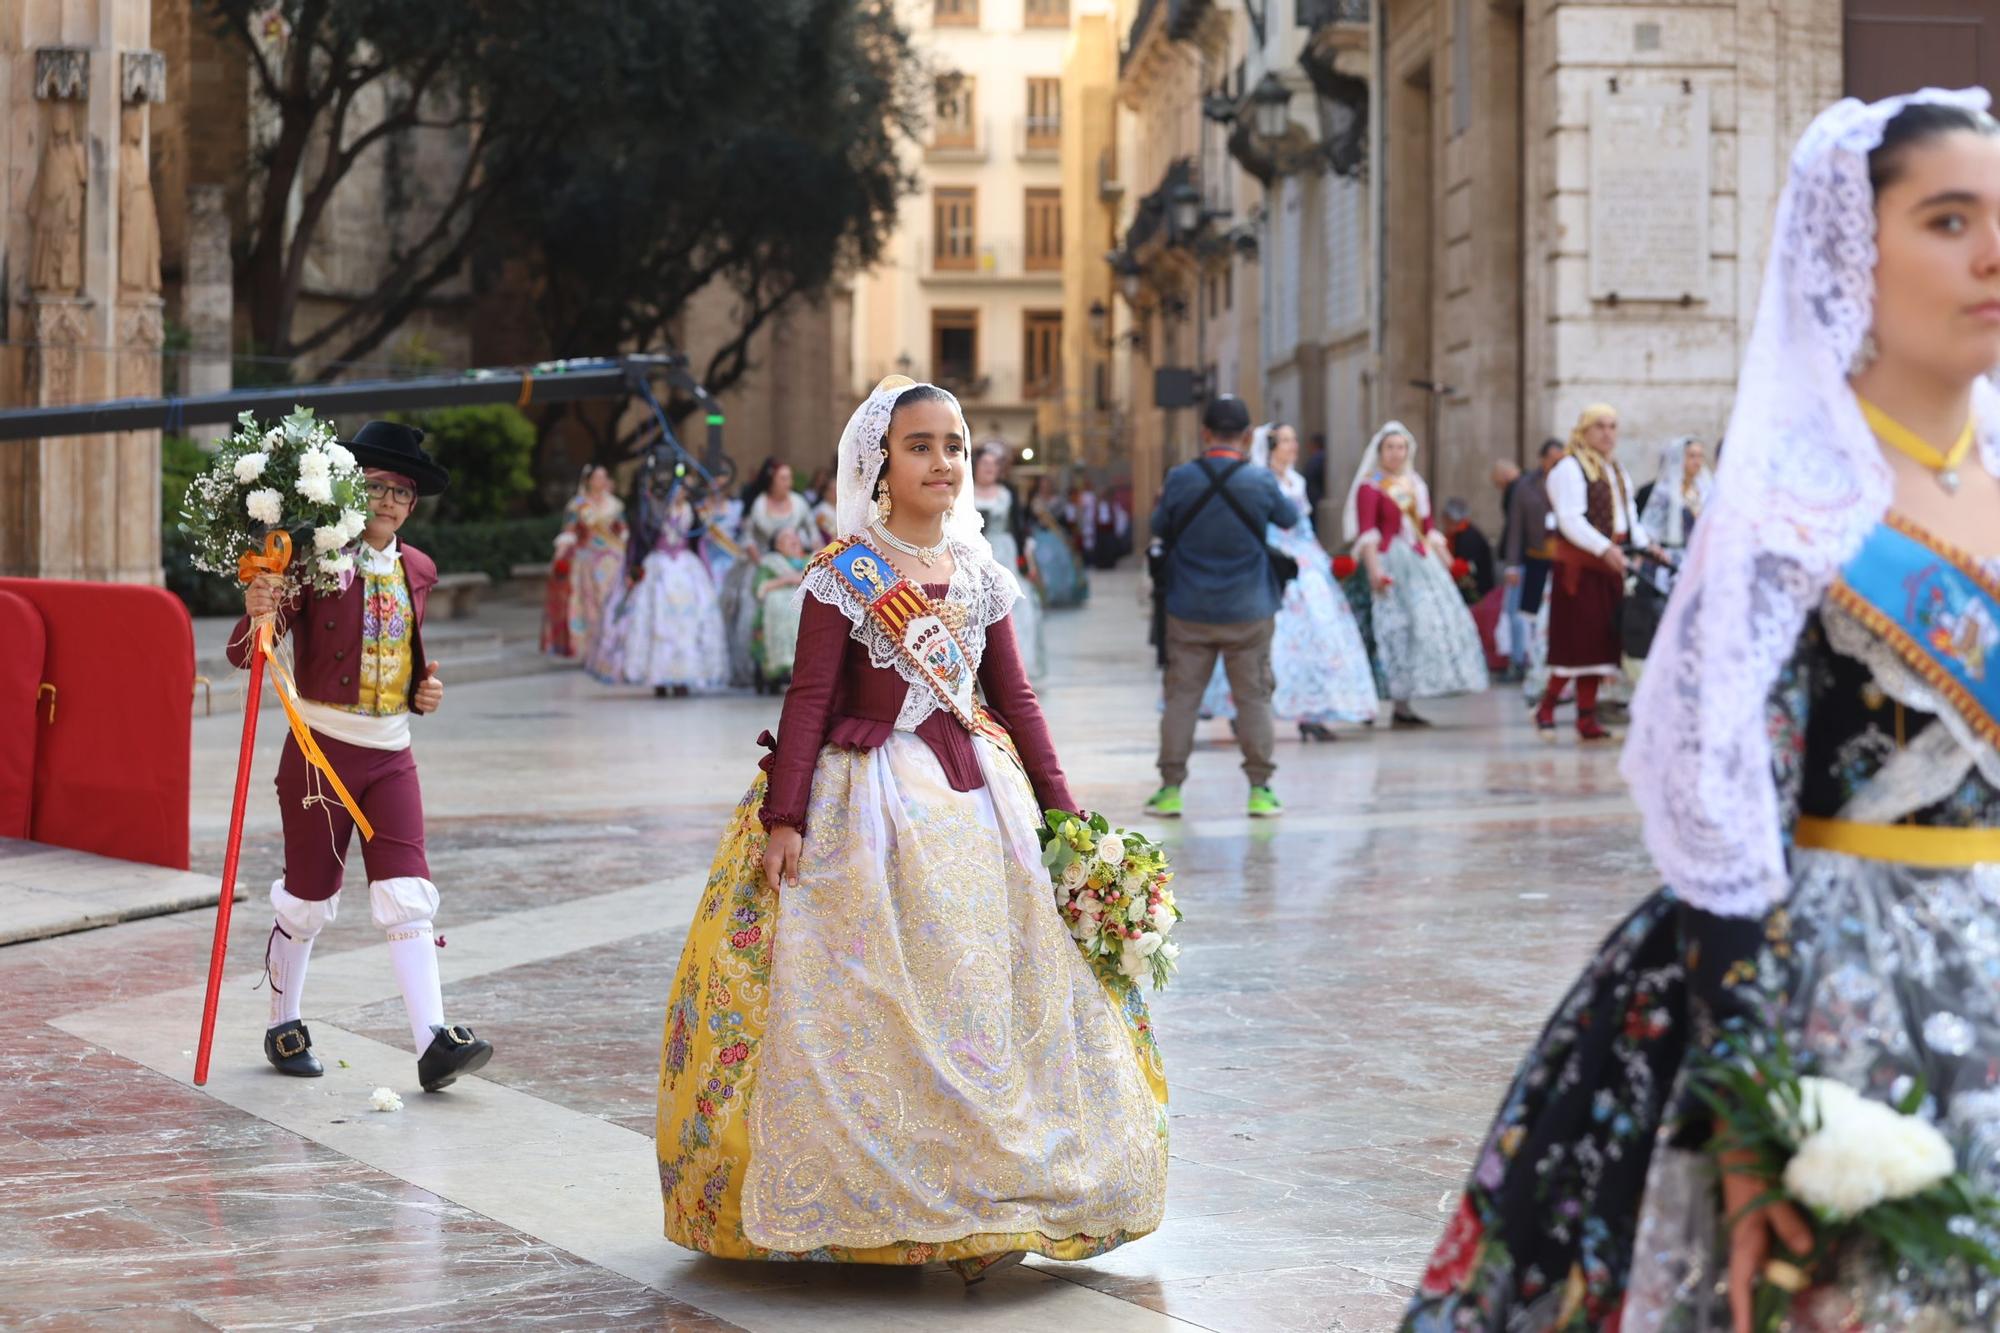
1359, 979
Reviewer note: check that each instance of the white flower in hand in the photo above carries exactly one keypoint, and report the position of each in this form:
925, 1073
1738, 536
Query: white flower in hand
329, 537
1074, 875
353, 524
1110, 850
1160, 917
343, 458
316, 487
335, 564
251, 466
1132, 964
274, 438
265, 505
1146, 945
1863, 1152
385, 1099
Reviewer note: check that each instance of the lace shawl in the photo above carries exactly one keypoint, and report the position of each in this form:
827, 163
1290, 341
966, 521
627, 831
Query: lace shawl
1801, 483
978, 583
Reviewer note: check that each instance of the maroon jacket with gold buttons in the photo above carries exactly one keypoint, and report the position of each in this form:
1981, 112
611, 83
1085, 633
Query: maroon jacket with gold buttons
326, 634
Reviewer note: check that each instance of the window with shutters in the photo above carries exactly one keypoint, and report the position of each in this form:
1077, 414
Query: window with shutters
955, 13
953, 126
1044, 113
951, 214
1041, 355
1044, 229
954, 345
1048, 13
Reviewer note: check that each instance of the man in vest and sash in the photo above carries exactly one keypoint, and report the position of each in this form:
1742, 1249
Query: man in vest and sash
1597, 517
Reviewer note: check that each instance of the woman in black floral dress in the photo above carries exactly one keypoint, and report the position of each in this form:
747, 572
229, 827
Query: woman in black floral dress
1816, 753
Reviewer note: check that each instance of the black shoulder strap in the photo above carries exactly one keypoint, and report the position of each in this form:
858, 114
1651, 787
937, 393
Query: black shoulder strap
1248, 522
1215, 487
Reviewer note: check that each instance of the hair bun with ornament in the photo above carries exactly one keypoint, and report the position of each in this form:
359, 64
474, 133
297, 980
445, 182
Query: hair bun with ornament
891, 383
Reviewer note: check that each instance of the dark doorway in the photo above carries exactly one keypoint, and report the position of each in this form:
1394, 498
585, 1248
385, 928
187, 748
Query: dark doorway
1898, 46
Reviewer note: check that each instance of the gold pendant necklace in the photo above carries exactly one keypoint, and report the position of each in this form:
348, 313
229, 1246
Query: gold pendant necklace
927, 555
1911, 445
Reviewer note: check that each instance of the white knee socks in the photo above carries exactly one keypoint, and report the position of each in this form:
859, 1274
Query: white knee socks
404, 908
299, 923
285, 965
414, 954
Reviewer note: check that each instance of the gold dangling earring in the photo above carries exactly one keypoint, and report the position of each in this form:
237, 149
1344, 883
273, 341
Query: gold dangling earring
884, 506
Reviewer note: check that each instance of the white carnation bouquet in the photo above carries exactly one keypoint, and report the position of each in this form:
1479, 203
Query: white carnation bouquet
1864, 1171
1113, 890
295, 477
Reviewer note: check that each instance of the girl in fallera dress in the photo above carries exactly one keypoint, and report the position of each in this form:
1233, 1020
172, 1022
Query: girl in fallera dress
1317, 655
1005, 524
781, 571
596, 520
1426, 644
1680, 492
663, 627
1814, 758
882, 1044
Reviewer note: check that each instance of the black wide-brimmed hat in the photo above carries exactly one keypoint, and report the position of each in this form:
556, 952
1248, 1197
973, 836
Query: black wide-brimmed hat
398, 448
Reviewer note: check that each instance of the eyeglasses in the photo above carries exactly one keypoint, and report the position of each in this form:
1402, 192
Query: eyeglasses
402, 495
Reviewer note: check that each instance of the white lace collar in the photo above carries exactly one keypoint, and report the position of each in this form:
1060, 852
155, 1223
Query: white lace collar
979, 584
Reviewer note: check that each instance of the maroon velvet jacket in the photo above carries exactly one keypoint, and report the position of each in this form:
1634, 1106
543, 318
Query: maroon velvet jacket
1375, 511
837, 698
326, 635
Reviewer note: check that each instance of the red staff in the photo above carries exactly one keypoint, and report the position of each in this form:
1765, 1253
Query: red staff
277, 554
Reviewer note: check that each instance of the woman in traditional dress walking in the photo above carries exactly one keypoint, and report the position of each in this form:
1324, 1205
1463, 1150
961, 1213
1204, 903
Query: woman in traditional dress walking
1816, 767
664, 627
1005, 525
1426, 643
1317, 657
596, 519
882, 1044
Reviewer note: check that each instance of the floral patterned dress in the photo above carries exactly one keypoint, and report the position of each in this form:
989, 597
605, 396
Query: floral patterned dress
1592, 1204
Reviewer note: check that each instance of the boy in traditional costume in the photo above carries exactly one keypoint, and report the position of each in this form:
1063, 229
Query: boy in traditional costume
359, 662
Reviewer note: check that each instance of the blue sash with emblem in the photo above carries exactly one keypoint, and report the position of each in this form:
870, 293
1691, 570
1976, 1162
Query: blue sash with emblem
1937, 609
913, 623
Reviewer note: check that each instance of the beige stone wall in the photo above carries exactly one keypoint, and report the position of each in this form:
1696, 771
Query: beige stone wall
1488, 208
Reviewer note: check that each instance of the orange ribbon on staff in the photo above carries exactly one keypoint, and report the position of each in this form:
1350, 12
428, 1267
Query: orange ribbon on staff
277, 554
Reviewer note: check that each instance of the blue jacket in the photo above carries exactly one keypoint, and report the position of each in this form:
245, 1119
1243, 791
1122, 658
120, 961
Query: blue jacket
1218, 571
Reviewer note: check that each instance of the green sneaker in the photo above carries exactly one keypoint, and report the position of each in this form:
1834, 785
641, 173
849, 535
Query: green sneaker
1166, 803
1264, 804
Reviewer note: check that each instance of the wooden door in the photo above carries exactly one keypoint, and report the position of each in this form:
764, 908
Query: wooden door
1898, 46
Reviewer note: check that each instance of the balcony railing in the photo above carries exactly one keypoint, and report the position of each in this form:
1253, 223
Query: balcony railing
960, 143
1316, 14
1040, 137
991, 261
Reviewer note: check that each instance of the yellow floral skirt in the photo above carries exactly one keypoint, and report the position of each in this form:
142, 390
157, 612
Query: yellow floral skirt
904, 1059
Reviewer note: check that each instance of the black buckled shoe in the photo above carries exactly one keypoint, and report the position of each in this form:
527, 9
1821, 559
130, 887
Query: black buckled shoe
288, 1047
453, 1051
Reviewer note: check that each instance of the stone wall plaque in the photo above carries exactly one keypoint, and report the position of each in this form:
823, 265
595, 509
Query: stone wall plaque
1649, 194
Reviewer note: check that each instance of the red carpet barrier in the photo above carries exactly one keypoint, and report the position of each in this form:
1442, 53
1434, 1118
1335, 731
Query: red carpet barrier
111, 770
22, 648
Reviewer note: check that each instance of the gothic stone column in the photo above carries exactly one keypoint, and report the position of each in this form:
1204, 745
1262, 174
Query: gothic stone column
82, 291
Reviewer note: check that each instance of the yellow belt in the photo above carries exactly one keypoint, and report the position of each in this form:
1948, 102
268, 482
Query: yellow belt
1906, 844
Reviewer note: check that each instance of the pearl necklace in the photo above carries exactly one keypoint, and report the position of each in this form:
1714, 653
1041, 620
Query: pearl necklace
927, 555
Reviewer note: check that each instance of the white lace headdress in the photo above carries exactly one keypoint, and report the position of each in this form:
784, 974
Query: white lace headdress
979, 584
1802, 482
1371, 463
865, 444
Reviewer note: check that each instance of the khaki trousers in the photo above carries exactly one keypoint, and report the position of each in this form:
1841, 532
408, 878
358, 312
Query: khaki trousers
1245, 649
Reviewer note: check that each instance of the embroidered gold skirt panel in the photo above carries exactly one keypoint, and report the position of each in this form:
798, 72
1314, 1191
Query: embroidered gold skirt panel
904, 1058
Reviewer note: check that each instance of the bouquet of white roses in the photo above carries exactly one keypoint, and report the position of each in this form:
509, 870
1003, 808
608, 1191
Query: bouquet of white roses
295, 477
1861, 1170
1112, 891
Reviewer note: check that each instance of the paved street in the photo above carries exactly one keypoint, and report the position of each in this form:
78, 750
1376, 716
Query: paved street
1357, 983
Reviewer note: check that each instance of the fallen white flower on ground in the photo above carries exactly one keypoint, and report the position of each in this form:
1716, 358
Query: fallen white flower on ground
385, 1099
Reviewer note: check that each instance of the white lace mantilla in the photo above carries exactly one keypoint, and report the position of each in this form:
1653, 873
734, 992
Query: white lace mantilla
979, 583
1801, 485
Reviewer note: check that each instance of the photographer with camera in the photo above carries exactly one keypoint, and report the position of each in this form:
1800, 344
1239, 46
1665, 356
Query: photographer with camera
1216, 591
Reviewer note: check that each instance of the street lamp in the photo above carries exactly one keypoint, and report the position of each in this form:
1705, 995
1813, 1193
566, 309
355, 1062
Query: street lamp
1185, 206
1272, 106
